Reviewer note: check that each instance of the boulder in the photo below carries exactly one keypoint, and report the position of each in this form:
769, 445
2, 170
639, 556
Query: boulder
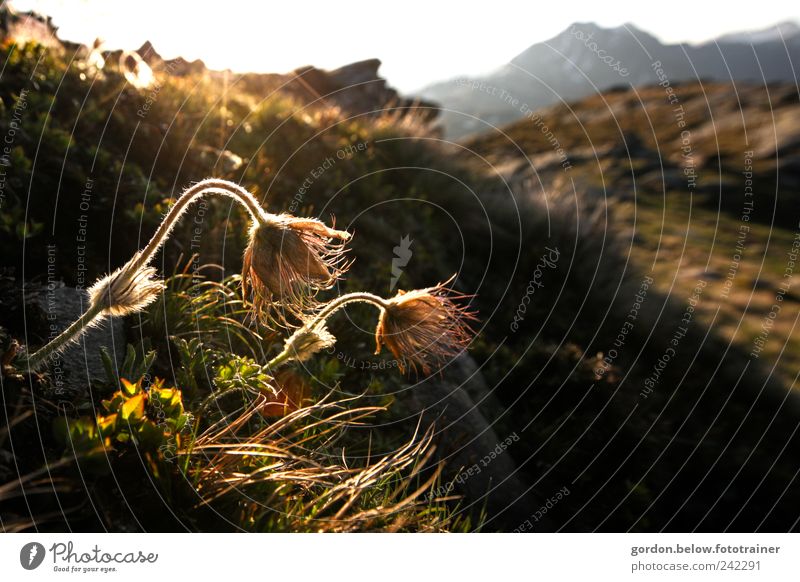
479, 460
72, 370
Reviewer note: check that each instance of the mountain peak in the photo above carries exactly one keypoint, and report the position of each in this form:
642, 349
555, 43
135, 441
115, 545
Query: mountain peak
587, 58
781, 30
569, 41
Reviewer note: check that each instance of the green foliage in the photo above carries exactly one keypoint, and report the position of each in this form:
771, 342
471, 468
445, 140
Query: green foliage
135, 365
242, 374
148, 418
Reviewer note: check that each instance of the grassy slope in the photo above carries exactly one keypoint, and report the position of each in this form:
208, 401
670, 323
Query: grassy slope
622, 457
712, 434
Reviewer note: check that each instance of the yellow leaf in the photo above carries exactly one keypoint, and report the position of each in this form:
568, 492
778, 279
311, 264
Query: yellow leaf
128, 388
104, 422
133, 409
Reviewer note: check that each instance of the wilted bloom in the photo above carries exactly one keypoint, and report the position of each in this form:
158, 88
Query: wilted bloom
288, 260
425, 327
126, 290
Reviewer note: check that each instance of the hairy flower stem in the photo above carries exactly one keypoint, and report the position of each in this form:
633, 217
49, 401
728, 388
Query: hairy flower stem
210, 186
66, 336
331, 308
130, 273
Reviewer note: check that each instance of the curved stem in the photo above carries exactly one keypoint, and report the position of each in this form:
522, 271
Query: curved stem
143, 257
340, 302
208, 186
279, 359
328, 311
66, 336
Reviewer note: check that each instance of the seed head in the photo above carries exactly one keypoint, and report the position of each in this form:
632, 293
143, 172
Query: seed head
307, 341
126, 291
287, 261
425, 327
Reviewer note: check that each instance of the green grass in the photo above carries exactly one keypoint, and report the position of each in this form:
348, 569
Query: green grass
683, 243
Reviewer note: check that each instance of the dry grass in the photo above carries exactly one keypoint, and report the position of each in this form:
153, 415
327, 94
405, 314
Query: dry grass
283, 476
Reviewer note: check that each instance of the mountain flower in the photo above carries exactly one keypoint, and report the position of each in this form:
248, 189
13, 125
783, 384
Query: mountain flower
289, 259
424, 328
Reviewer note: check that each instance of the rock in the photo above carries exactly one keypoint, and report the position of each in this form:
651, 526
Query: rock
25, 27
355, 88
479, 461
72, 370
178, 66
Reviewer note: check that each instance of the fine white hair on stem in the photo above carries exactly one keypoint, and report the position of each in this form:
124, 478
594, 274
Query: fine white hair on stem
191, 194
133, 286
307, 341
126, 291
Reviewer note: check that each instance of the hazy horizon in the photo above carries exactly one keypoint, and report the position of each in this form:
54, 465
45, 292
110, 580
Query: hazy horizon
474, 42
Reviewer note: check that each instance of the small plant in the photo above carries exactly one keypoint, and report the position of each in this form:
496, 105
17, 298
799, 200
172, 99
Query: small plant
150, 418
257, 428
288, 260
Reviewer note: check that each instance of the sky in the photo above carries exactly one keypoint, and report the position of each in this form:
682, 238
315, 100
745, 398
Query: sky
419, 42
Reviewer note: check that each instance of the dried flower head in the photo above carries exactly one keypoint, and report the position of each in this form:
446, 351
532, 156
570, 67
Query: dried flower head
126, 290
425, 327
289, 259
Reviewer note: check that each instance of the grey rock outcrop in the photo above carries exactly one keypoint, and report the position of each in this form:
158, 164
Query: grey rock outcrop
72, 370
479, 459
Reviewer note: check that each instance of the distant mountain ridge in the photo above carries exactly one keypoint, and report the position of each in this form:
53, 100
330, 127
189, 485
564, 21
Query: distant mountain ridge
585, 59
